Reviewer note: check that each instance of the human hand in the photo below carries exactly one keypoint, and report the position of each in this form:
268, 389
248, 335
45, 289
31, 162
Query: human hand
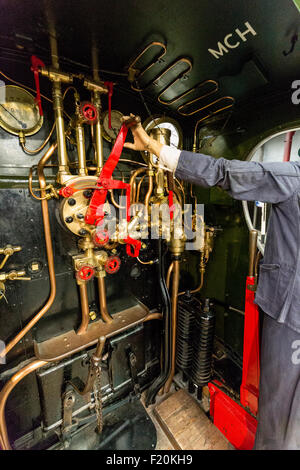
140, 136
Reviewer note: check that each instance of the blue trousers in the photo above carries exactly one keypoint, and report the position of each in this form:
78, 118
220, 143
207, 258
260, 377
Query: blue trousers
279, 396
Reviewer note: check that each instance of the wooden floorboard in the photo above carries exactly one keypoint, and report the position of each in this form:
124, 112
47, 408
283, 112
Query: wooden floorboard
186, 424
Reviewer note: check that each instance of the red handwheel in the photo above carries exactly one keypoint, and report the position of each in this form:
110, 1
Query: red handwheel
85, 273
112, 265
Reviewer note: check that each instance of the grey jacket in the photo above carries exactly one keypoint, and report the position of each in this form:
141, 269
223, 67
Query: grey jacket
278, 291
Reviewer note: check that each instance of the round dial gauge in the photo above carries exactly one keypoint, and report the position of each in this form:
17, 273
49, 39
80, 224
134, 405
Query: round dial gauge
164, 122
116, 123
19, 111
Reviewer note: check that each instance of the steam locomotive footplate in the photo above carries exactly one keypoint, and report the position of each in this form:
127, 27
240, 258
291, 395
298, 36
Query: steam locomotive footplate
64, 345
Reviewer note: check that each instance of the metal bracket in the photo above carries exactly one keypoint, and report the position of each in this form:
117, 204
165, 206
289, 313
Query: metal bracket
133, 372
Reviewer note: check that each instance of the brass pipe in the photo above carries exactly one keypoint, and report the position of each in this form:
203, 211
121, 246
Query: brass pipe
49, 251
102, 300
82, 170
98, 133
63, 168
85, 311
5, 392
96, 98
170, 270
139, 189
133, 184
202, 270
153, 316
174, 301
150, 189
40, 148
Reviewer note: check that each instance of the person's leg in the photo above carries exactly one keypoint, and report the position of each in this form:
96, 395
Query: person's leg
279, 393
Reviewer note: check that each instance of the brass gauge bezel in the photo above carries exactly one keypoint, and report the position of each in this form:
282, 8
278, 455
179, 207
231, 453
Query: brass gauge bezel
103, 126
28, 99
160, 119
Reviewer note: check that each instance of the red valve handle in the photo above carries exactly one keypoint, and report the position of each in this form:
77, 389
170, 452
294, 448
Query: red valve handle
112, 265
36, 63
89, 112
101, 237
85, 273
67, 191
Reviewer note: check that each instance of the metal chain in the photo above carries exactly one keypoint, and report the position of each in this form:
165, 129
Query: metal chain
98, 398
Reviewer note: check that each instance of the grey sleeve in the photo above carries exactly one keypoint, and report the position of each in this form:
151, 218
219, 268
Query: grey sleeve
249, 181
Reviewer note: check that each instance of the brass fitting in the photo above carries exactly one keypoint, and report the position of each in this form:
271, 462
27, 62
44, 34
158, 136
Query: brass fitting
8, 251
14, 276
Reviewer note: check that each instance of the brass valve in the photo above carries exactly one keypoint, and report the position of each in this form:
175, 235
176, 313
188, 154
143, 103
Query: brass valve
14, 276
8, 251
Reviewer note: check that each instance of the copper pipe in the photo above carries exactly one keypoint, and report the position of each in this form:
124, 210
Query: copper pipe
4, 394
40, 148
102, 300
49, 251
139, 189
132, 182
210, 114
170, 270
174, 300
150, 189
153, 316
85, 311
132, 71
194, 291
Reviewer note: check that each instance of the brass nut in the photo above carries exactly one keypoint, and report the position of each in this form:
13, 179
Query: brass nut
93, 315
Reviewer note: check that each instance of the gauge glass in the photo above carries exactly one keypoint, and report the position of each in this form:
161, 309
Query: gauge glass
116, 123
165, 122
19, 111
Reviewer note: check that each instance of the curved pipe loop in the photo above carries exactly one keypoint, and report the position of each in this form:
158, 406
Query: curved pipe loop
191, 90
134, 73
184, 60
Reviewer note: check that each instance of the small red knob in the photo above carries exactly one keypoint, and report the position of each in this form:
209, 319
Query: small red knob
112, 265
85, 273
67, 191
101, 237
89, 112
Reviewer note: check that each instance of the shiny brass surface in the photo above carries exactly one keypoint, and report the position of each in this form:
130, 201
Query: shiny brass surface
64, 345
8, 251
19, 111
5, 392
63, 170
68, 211
49, 251
82, 170
85, 311
102, 299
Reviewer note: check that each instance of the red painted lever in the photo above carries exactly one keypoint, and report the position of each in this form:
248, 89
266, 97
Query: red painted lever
36, 63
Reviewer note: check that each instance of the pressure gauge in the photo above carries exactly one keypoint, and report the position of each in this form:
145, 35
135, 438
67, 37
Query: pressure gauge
19, 111
164, 122
116, 123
